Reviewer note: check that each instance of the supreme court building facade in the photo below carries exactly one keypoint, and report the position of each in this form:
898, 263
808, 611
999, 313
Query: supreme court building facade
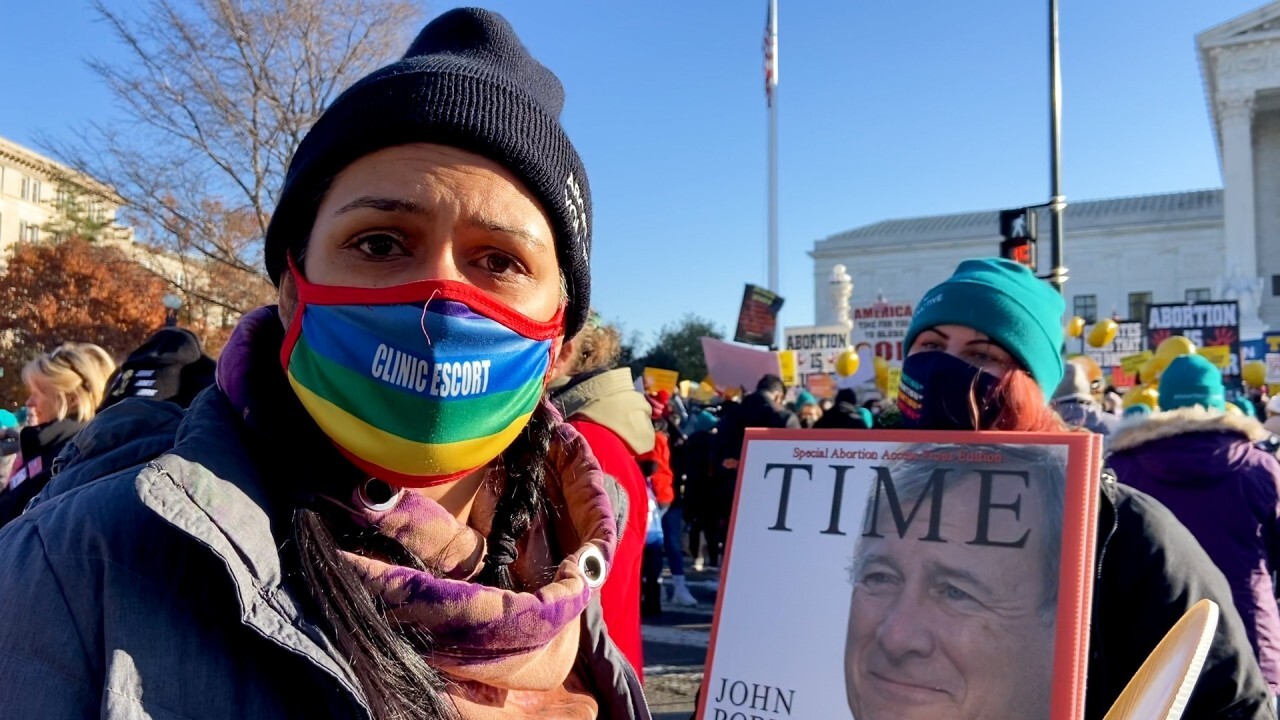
1125, 253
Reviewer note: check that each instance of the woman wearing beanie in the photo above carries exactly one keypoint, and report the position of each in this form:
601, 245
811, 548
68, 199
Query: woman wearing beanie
1201, 462
374, 514
984, 354
807, 409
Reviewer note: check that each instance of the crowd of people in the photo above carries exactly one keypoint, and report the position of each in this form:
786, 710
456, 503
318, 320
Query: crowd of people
420, 486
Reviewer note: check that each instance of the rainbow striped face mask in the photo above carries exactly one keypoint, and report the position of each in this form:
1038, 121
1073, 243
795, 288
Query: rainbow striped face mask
416, 384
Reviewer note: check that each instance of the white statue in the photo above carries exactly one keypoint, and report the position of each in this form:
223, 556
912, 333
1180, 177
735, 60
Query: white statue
1247, 292
841, 290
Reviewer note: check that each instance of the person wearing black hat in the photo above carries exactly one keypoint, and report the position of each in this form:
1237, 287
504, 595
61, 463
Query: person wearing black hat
169, 366
376, 514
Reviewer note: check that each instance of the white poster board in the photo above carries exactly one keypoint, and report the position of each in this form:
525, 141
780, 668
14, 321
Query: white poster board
816, 348
883, 326
792, 638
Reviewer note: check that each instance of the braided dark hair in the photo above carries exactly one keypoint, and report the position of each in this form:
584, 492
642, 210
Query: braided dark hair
523, 495
387, 658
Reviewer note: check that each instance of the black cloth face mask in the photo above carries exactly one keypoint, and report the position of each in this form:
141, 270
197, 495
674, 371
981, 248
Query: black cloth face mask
940, 391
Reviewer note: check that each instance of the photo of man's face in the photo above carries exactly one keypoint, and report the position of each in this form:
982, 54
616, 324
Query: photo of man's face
947, 628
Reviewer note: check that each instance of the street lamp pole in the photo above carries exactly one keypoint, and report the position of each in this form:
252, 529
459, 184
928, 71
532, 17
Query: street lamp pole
172, 303
1057, 202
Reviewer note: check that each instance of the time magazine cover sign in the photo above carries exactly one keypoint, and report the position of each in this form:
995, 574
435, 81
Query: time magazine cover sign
880, 575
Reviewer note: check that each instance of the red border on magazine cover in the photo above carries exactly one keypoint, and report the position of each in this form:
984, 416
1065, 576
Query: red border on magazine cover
1079, 538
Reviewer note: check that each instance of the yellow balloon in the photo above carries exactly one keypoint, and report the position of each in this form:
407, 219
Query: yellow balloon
1075, 327
1255, 373
1174, 346
1152, 369
881, 365
1141, 395
1103, 333
847, 363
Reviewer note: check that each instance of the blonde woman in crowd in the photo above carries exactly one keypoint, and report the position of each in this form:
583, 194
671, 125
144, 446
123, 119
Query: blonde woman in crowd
64, 389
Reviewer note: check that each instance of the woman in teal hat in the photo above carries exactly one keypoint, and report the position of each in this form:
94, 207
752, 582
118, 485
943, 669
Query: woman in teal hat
807, 409
984, 353
1199, 457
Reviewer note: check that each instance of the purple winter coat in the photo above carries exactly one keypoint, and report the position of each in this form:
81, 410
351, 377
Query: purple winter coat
1204, 467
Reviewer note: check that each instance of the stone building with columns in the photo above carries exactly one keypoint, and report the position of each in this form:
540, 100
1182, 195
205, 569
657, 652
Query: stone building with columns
34, 188
1240, 63
1125, 253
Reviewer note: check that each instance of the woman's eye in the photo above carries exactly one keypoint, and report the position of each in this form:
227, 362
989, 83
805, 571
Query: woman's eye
933, 345
380, 245
986, 359
499, 263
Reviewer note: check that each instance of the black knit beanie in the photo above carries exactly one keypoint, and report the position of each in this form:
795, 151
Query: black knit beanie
467, 82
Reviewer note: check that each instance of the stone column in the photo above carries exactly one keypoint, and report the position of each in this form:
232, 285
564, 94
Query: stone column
841, 289
1235, 124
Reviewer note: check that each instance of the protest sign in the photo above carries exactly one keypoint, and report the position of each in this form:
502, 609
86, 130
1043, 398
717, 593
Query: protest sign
1273, 368
823, 387
1220, 356
758, 317
1131, 364
1255, 349
1207, 324
816, 348
883, 325
787, 366
656, 379
1271, 343
1130, 340
880, 538
892, 384
735, 366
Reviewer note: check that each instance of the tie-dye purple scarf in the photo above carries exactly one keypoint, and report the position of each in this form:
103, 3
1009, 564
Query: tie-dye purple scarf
511, 654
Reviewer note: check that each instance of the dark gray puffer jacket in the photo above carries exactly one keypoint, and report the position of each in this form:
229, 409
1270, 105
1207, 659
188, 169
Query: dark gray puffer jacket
145, 582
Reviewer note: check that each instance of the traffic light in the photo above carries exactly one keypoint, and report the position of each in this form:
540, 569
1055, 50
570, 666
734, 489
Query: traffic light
1019, 230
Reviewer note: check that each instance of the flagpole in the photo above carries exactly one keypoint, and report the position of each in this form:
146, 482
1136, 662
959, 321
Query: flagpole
773, 155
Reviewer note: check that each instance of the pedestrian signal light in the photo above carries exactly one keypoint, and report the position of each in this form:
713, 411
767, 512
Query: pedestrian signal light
1020, 250
1019, 230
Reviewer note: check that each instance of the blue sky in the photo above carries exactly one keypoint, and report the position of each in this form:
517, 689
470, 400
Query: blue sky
887, 109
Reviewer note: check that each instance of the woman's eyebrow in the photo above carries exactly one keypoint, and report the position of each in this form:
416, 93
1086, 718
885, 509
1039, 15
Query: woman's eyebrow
385, 204
492, 225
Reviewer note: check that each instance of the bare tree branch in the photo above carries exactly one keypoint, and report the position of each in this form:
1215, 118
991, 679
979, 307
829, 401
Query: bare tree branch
217, 94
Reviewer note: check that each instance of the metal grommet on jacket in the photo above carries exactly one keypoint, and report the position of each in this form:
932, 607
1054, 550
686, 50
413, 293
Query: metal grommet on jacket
378, 495
591, 563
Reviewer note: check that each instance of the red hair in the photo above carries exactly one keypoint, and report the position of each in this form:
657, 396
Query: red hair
1022, 405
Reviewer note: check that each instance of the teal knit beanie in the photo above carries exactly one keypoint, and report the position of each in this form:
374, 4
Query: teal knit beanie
1192, 380
1008, 303
805, 398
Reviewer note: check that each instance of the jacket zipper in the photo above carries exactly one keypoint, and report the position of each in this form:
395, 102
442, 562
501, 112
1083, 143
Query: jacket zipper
1097, 657
1115, 525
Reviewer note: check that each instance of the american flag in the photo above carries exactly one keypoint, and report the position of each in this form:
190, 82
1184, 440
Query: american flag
770, 52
